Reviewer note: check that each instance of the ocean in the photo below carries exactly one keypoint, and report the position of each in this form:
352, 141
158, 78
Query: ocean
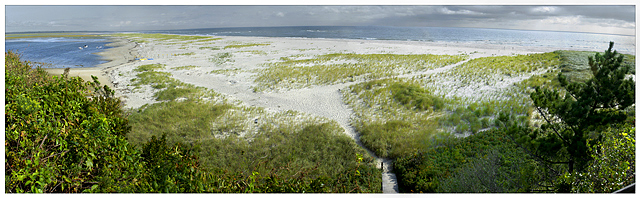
65, 52
59, 52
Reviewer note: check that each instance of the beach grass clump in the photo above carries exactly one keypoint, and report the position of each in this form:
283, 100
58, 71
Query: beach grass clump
168, 88
340, 68
255, 52
155, 79
222, 58
228, 72
490, 70
149, 67
209, 48
186, 67
394, 117
236, 46
185, 54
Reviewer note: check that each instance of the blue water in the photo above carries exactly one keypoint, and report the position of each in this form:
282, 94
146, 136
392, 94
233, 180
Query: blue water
59, 52
64, 52
559, 40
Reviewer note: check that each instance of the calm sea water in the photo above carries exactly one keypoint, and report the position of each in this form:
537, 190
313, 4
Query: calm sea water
65, 52
59, 52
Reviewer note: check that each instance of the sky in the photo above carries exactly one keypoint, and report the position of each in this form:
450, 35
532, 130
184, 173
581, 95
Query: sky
577, 18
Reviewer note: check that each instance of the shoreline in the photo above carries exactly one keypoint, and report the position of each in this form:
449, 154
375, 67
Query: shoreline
120, 54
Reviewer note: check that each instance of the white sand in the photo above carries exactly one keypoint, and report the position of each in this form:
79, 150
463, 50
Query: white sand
325, 101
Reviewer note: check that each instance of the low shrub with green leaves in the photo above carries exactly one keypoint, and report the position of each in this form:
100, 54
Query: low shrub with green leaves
64, 135
488, 161
613, 165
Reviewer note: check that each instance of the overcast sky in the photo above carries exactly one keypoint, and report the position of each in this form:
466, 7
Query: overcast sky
598, 19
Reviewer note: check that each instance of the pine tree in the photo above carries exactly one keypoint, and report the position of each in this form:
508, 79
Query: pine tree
574, 119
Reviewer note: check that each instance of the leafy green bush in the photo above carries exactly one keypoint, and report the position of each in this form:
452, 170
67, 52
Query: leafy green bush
58, 139
613, 165
485, 162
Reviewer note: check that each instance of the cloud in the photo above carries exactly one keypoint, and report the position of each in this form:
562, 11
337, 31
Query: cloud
545, 9
446, 10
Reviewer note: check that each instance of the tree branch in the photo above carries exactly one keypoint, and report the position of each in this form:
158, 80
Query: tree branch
552, 127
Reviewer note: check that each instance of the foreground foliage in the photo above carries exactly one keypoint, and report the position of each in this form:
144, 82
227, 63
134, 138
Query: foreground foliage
485, 162
60, 140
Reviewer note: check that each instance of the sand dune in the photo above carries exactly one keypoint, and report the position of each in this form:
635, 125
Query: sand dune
325, 101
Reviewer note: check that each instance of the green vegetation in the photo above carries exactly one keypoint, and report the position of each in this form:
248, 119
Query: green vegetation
211, 48
256, 52
227, 72
185, 54
394, 118
485, 162
186, 67
583, 111
613, 165
222, 58
340, 68
235, 46
192, 145
489, 70
572, 151
59, 140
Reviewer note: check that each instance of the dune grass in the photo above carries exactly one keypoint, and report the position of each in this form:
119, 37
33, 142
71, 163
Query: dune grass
393, 117
397, 116
210, 48
185, 54
186, 67
228, 72
340, 68
222, 58
489, 70
255, 52
247, 140
236, 46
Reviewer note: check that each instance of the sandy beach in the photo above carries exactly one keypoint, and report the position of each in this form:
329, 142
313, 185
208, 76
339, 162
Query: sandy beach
319, 100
